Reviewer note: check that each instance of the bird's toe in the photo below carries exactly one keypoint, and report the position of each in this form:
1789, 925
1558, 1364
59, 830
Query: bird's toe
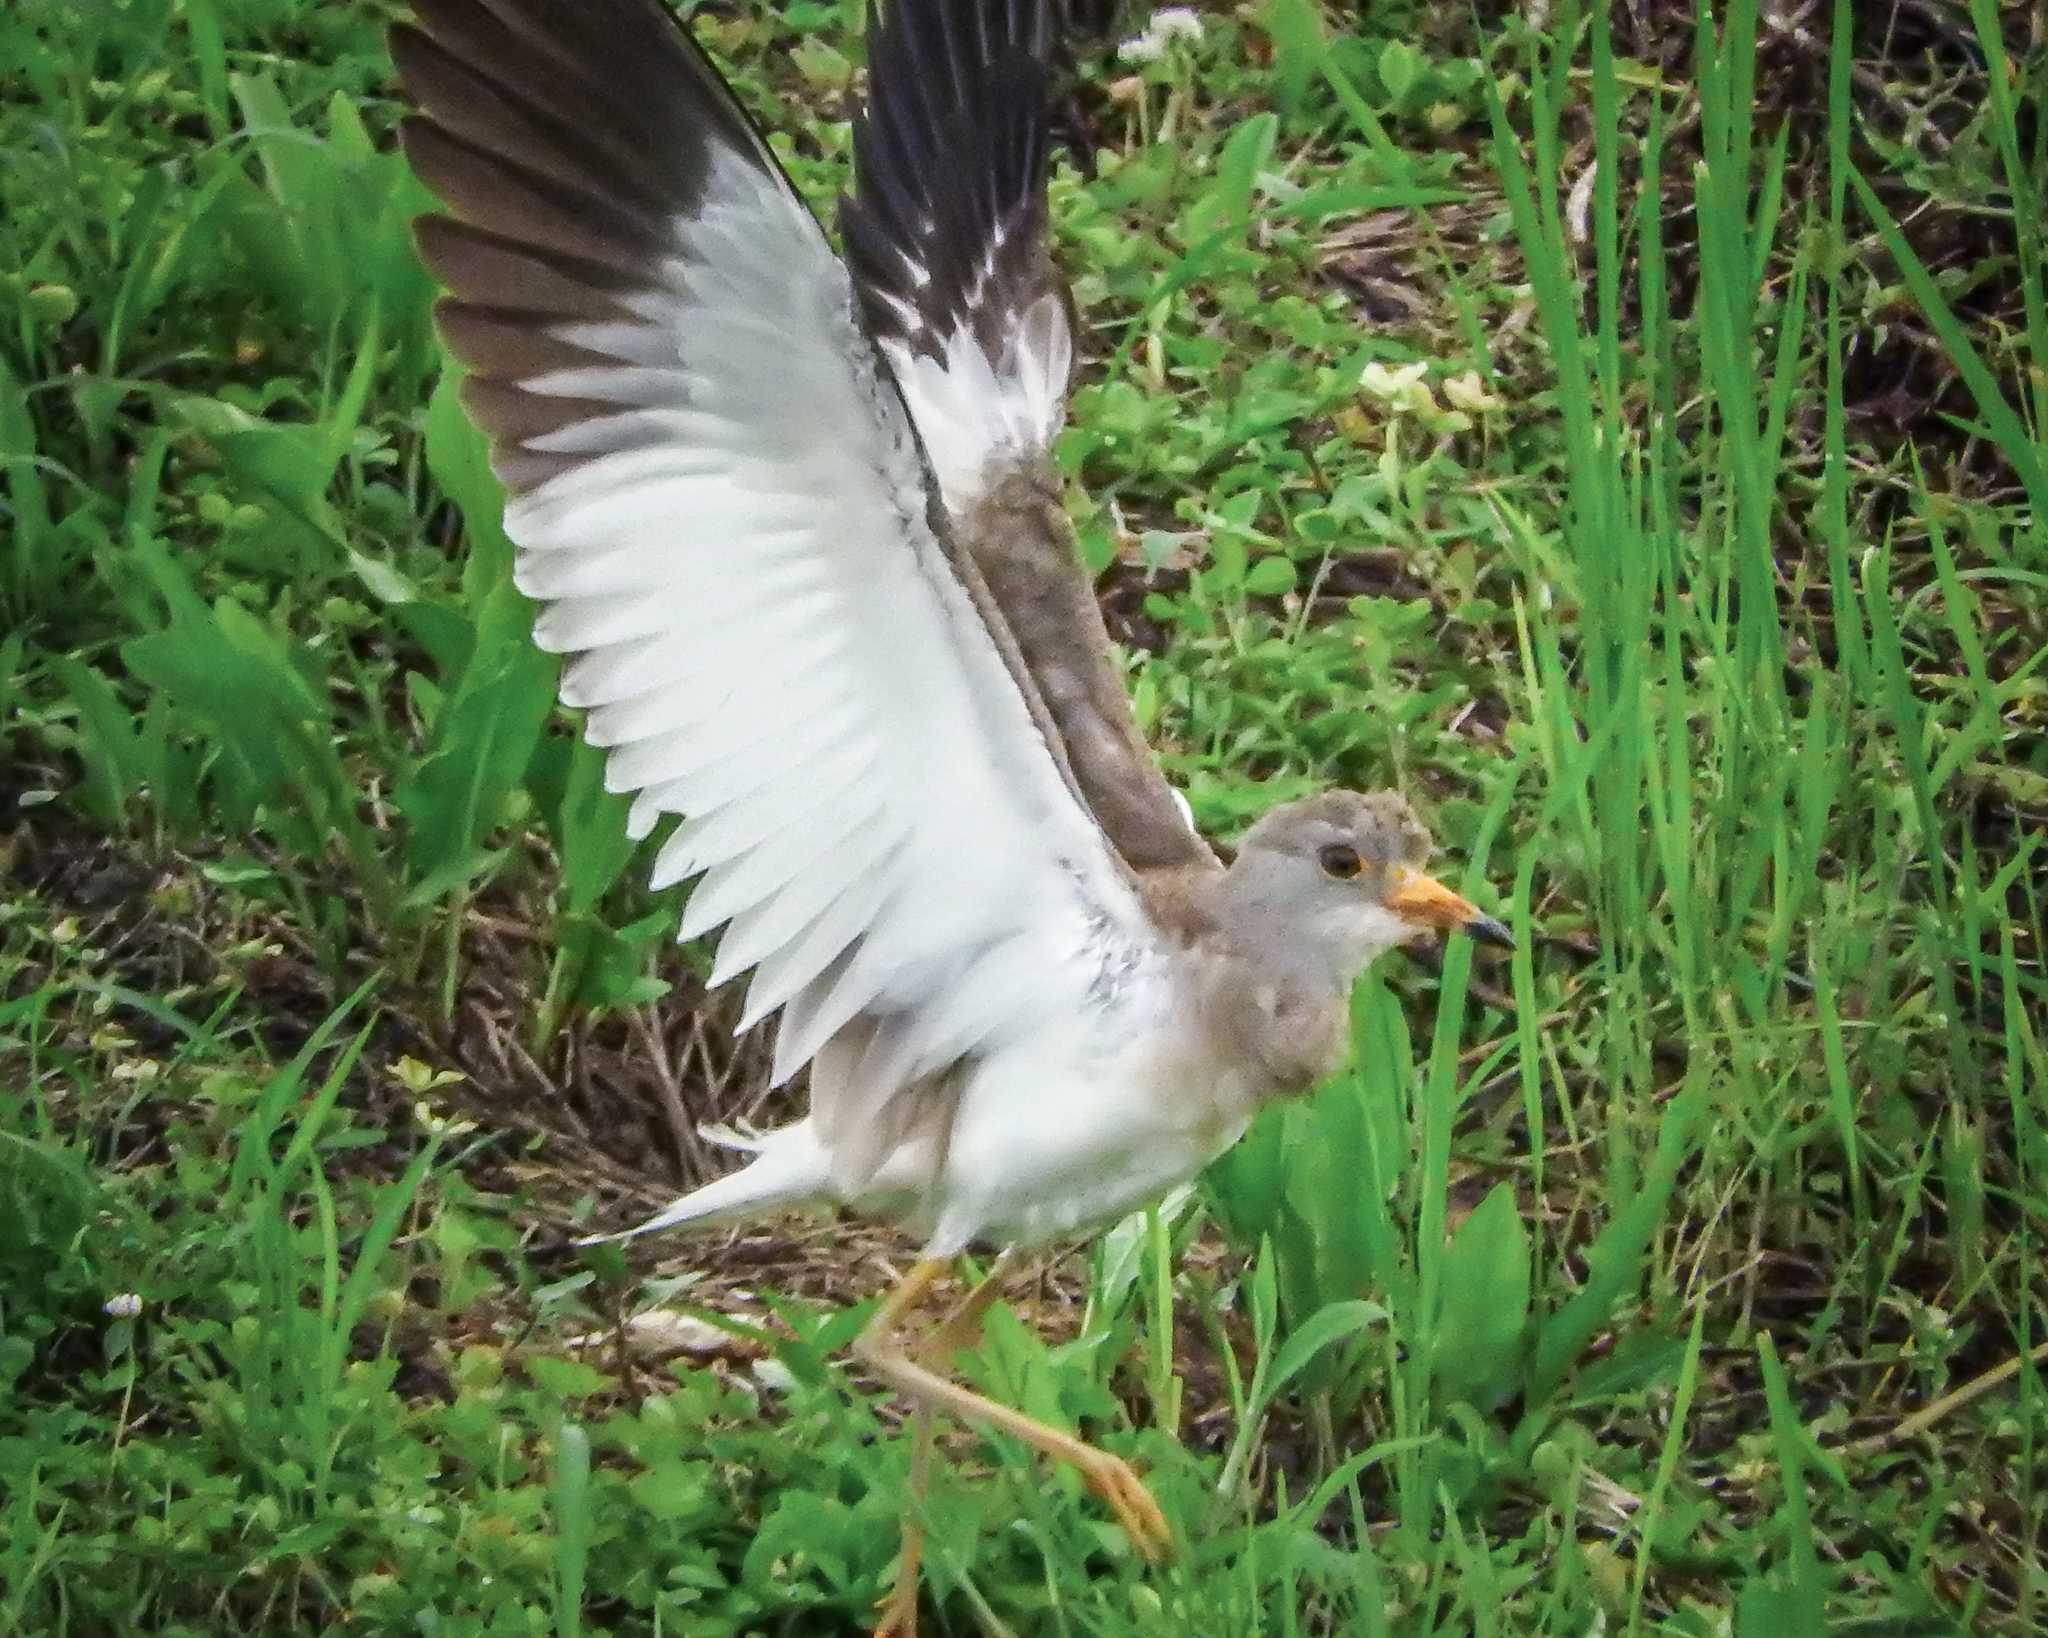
896, 1614
1120, 1488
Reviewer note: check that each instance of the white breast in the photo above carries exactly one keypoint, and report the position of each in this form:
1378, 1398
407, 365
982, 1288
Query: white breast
1068, 1130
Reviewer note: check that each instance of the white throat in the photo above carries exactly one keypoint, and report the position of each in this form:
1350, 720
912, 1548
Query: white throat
1360, 936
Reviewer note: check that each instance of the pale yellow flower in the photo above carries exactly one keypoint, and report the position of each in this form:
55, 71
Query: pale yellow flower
1468, 392
1400, 387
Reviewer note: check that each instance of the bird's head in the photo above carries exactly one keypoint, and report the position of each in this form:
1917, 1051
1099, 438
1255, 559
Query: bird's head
1340, 874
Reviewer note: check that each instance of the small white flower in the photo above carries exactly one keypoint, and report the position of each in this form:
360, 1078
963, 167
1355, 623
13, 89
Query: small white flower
1166, 25
125, 1306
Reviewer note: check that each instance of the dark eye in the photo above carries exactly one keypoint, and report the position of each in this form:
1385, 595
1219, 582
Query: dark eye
1340, 861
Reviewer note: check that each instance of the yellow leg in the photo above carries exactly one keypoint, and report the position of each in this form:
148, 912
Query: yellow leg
962, 1327
1110, 1477
898, 1608
959, 1329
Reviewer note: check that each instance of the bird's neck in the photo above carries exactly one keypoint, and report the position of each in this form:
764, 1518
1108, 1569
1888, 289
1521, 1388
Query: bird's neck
1273, 1001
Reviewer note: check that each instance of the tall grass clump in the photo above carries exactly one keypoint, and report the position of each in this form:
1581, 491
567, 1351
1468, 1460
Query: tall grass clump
1801, 1028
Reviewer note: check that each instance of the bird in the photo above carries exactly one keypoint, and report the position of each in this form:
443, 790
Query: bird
792, 517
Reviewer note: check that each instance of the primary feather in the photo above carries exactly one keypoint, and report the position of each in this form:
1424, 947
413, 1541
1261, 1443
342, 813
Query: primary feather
946, 232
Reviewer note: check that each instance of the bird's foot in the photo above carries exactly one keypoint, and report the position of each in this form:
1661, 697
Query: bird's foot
1124, 1493
896, 1612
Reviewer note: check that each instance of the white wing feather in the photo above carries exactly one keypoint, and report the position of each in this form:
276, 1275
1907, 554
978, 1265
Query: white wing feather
773, 643
723, 509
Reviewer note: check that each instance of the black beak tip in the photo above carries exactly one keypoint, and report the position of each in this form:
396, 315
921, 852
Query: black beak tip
1488, 931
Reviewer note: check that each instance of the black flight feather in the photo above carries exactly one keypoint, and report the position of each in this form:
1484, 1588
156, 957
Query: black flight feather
566, 155
945, 227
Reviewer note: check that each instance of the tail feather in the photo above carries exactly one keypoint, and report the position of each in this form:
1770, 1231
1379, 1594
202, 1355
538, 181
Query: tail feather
741, 1135
789, 1168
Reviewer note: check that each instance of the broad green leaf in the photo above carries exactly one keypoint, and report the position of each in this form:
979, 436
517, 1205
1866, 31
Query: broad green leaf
588, 822
1614, 1262
1270, 577
1296, 30
1223, 213
673, 1489
1485, 1307
107, 738
1400, 66
566, 1378
1328, 1325
483, 738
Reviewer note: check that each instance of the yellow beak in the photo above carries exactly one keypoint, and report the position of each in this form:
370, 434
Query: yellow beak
1426, 902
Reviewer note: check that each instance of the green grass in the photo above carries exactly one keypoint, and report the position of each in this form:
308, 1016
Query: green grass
1677, 541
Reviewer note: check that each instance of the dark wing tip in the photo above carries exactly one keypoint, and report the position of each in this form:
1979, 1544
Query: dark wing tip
945, 228
568, 140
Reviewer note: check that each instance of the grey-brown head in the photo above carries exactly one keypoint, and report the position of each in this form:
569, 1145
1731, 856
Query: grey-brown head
1330, 882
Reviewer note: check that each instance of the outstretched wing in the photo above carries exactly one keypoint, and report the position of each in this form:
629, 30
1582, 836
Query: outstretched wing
721, 508
945, 231
946, 238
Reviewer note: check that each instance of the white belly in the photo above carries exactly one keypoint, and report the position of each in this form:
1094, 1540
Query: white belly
1058, 1139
